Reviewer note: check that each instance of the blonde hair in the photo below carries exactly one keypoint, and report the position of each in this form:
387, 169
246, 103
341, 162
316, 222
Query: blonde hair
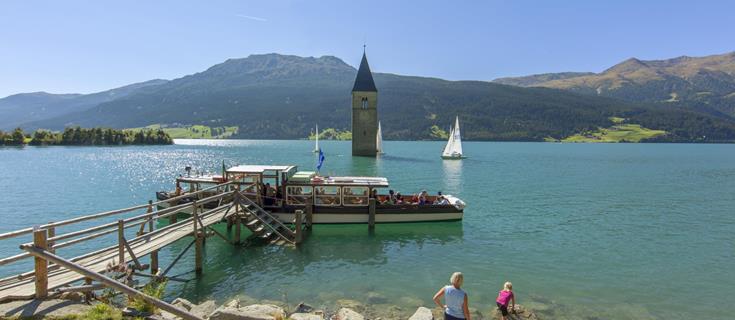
456, 279
508, 286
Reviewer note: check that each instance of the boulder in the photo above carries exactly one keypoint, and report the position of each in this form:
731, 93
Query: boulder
203, 309
520, 313
422, 313
303, 308
234, 303
252, 312
73, 296
182, 303
348, 314
305, 316
351, 304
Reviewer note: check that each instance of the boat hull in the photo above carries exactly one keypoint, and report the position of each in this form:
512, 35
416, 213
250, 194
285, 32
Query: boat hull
361, 218
341, 215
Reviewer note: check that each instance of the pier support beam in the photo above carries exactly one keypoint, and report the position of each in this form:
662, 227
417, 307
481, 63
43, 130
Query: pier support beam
238, 228
198, 240
121, 242
309, 214
154, 253
371, 213
297, 223
41, 264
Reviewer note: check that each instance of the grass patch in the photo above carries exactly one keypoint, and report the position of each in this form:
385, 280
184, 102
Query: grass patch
332, 134
195, 131
616, 133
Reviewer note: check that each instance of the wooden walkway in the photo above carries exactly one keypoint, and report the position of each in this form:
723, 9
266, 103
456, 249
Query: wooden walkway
101, 260
115, 266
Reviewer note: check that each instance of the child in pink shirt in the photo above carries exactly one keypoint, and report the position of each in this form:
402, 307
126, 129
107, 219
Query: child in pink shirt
505, 296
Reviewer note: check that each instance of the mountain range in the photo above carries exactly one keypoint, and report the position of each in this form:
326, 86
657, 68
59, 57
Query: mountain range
704, 83
277, 96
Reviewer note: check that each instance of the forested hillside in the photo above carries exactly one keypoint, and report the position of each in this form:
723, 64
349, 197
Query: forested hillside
282, 97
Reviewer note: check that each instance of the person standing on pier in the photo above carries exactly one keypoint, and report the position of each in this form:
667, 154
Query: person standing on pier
457, 305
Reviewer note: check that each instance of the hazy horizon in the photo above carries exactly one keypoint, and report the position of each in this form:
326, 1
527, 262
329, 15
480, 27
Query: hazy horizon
81, 47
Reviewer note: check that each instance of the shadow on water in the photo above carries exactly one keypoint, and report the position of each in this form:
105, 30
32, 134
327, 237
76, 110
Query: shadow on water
340, 247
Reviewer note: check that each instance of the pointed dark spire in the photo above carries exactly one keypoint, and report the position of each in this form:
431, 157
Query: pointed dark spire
364, 80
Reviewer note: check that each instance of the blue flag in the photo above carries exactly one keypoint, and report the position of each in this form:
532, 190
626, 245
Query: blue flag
321, 160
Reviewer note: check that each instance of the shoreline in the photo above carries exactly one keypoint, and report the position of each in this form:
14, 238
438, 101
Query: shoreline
240, 307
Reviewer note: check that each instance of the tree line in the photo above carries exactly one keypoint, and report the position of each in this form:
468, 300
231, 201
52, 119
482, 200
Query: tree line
77, 136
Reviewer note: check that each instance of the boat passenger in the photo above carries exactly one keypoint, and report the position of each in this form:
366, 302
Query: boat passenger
399, 198
268, 194
456, 305
423, 196
441, 201
391, 197
374, 194
505, 296
178, 190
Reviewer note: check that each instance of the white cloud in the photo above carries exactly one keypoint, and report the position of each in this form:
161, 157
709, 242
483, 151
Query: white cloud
251, 17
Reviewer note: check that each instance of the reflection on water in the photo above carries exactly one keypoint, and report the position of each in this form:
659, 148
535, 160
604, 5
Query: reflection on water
452, 176
568, 221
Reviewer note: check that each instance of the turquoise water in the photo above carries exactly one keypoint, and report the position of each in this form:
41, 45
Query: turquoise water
613, 231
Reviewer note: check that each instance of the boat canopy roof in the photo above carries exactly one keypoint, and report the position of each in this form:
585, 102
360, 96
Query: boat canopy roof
375, 182
258, 168
200, 179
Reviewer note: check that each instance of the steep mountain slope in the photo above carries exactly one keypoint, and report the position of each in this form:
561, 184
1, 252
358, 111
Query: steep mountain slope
536, 79
282, 97
703, 83
21, 108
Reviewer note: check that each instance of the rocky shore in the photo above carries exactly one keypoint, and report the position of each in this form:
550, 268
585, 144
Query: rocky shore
246, 308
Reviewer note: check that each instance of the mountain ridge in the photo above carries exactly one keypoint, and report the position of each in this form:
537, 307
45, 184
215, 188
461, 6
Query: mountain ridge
703, 83
273, 96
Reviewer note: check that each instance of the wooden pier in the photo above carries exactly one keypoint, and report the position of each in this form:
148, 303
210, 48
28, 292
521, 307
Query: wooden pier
54, 274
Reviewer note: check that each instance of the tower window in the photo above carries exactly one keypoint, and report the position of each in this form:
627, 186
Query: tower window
364, 103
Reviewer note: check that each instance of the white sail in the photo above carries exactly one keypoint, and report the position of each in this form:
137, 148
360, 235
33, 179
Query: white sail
457, 145
379, 140
447, 148
453, 149
316, 147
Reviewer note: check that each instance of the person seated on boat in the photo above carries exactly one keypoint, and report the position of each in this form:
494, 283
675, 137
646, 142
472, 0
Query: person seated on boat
179, 191
423, 196
374, 194
441, 201
268, 194
391, 197
399, 198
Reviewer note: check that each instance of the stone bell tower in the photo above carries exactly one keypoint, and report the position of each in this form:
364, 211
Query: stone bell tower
364, 112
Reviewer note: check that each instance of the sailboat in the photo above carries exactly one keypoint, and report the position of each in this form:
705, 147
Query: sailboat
379, 140
316, 147
453, 149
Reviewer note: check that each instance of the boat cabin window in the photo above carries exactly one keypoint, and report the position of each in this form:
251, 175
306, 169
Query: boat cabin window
298, 195
355, 196
327, 196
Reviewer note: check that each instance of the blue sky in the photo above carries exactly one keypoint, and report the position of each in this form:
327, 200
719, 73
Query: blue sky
89, 46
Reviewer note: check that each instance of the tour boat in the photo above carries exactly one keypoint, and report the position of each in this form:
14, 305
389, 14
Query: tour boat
282, 190
453, 149
379, 140
316, 147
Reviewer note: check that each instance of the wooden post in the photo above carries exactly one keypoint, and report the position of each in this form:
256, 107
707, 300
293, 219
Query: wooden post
154, 253
121, 242
309, 213
88, 294
297, 222
51, 234
41, 265
238, 227
198, 240
371, 213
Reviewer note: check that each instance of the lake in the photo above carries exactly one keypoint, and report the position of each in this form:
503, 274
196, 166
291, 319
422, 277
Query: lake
608, 231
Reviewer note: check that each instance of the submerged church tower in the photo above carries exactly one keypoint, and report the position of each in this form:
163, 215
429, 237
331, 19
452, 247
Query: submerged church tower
364, 112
